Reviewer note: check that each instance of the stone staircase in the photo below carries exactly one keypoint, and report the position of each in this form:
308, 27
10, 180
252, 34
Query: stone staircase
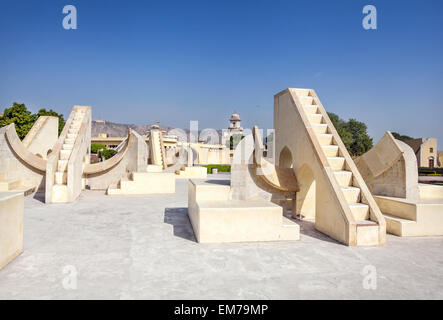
61, 175
158, 156
412, 218
144, 183
343, 172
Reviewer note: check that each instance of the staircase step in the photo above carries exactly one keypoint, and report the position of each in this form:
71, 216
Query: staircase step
310, 109
73, 131
325, 139
352, 194
330, 151
68, 146
62, 165
113, 189
9, 184
154, 168
367, 233
397, 219
315, 118
71, 136
366, 223
336, 163
306, 100
343, 177
61, 177
398, 226
69, 141
59, 193
65, 154
360, 211
302, 92
320, 128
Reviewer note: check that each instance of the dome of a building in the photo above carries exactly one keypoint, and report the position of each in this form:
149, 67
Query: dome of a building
235, 117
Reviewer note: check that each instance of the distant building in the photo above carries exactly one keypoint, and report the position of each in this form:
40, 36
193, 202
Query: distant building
425, 150
235, 124
233, 129
94, 158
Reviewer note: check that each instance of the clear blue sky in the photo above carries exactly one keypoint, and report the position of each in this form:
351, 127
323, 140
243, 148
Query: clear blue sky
140, 61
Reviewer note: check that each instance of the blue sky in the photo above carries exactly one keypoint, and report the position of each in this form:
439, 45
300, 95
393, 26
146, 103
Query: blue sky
141, 61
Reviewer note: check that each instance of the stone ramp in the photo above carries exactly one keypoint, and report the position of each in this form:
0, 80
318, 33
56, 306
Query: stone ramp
332, 190
390, 169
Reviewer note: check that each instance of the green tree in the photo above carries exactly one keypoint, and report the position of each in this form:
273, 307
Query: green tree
353, 134
361, 143
107, 153
97, 146
61, 120
20, 116
401, 137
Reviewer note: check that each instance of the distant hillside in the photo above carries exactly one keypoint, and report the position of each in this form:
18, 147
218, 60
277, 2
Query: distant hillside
119, 129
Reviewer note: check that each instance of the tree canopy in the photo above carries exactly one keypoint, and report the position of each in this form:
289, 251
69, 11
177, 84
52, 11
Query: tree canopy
353, 134
20, 116
107, 153
61, 120
95, 147
24, 119
401, 137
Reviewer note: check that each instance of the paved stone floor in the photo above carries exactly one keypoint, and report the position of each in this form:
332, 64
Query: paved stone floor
143, 247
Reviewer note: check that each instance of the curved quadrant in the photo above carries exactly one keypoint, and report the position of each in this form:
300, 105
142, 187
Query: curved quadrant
20, 169
276, 177
132, 157
99, 168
